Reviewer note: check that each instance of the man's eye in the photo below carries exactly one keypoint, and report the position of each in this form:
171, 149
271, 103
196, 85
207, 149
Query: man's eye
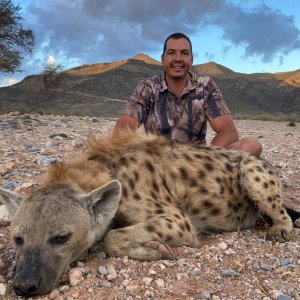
18, 240
60, 239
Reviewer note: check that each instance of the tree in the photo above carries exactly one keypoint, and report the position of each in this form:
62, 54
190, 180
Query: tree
14, 40
50, 79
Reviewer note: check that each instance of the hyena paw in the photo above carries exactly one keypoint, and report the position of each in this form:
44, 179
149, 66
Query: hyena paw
278, 234
165, 250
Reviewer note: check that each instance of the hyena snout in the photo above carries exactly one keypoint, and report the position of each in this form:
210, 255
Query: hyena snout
28, 286
32, 276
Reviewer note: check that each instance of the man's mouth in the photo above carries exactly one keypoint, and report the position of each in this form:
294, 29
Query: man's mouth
177, 66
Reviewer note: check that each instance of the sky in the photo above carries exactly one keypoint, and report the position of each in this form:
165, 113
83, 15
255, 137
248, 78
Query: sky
247, 36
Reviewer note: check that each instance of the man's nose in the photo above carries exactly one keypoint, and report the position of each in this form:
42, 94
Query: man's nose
178, 56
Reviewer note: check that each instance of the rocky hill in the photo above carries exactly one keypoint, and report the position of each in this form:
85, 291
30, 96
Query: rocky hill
102, 90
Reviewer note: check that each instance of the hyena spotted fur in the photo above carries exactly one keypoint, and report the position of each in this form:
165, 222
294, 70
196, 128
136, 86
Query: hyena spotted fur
143, 195
171, 192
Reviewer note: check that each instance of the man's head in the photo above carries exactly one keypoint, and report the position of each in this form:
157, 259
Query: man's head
177, 57
177, 36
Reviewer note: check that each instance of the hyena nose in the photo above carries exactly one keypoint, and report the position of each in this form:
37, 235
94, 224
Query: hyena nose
27, 288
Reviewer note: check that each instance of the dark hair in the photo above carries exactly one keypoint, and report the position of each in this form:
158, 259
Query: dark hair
177, 36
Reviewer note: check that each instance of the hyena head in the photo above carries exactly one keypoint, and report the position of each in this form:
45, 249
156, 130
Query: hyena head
54, 227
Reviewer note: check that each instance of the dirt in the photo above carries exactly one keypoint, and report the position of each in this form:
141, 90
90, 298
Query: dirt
237, 265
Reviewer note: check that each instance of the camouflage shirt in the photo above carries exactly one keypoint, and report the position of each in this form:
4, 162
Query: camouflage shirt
182, 119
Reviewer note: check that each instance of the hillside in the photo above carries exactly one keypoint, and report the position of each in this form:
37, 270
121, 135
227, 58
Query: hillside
102, 90
292, 78
214, 69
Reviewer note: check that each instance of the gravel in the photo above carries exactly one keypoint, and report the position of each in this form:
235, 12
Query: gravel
237, 265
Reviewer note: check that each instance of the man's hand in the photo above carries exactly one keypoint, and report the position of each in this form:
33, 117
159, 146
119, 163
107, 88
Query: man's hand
126, 122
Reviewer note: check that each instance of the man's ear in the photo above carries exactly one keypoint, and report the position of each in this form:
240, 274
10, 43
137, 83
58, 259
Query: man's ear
103, 202
11, 200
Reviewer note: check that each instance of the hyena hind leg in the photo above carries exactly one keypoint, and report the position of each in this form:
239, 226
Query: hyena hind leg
263, 186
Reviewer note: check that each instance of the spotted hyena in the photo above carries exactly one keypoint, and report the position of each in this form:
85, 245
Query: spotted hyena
143, 195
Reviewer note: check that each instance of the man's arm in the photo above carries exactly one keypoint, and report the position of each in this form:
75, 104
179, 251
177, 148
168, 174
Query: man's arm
126, 122
225, 130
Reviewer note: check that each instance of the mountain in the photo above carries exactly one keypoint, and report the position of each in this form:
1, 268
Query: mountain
146, 59
102, 90
292, 78
214, 69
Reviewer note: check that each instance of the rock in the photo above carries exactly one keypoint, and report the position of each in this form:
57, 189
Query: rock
75, 276
102, 270
3, 289
222, 246
274, 294
297, 223
32, 148
152, 272
282, 297
229, 273
105, 284
64, 289
280, 164
160, 283
45, 161
147, 280
9, 165
62, 135
195, 272
9, 185
4, 215
28, 184
265, 267
111, 269
286, 263
53, 295
112, 276
14, 113
206, 295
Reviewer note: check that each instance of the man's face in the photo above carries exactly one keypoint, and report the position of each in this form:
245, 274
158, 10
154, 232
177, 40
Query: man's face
177, 59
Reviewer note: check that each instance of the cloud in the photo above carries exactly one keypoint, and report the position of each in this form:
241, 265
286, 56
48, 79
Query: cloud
225, 50
264, 32
89, 31
209, 56
8, 81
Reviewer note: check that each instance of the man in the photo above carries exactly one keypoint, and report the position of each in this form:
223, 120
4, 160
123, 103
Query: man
178, 106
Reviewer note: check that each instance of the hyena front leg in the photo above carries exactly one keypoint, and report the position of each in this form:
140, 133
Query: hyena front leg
152, 239
263, 186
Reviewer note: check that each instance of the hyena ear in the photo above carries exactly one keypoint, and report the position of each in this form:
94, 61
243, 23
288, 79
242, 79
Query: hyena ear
103, 202
11, 200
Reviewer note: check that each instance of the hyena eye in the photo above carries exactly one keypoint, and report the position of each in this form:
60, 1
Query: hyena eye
18, 240
60, 239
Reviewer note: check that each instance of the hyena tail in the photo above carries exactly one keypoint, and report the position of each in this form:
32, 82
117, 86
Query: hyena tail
292, 213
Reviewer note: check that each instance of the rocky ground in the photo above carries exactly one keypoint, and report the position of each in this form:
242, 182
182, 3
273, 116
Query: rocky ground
238, 265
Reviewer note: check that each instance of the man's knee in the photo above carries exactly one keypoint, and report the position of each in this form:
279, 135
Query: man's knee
248, 144
253, 146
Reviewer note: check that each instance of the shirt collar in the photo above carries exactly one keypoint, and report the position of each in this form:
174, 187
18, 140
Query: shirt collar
191, 84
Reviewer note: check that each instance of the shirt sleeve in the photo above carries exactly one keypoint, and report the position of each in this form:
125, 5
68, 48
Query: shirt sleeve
139, 102
214, 104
